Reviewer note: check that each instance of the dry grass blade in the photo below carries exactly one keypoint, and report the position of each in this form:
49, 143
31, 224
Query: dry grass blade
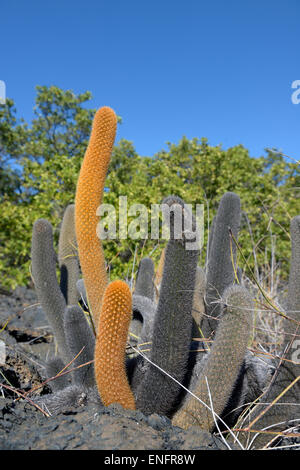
21, 395
232, 262
60, 373
272, 403
214, 417
191, 393
265, 296
272, 433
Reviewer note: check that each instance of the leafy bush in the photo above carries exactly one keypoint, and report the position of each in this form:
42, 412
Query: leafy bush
40, 165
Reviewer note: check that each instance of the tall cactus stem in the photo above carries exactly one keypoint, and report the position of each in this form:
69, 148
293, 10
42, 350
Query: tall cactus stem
220, 271
43, 262
172, 329
89, 192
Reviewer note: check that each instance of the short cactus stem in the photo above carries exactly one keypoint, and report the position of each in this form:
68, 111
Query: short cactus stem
109, 365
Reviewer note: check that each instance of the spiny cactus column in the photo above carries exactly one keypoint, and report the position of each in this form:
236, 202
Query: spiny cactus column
146, 309
89, 193
144, 282
43, 262
223, 362
157, 392
81, 291
68, 257
199, 293
52, 368
220, 272
80, 337
110, 346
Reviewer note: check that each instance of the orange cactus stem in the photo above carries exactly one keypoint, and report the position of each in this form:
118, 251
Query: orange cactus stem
109, 364
89, 194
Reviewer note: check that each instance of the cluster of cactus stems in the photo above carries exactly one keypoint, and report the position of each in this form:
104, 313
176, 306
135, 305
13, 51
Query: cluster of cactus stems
197, 325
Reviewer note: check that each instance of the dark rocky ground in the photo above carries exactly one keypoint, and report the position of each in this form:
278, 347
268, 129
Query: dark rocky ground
28, 344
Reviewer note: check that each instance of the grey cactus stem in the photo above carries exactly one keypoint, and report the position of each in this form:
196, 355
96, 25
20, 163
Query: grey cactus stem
43, 261
221, 369
144, 289
147, 310
171, 338
145, 283
68, 257
80, 337
63, 400
220, 272
53, 367
81, 291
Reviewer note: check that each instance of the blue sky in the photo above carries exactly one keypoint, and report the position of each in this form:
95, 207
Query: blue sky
220, 69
